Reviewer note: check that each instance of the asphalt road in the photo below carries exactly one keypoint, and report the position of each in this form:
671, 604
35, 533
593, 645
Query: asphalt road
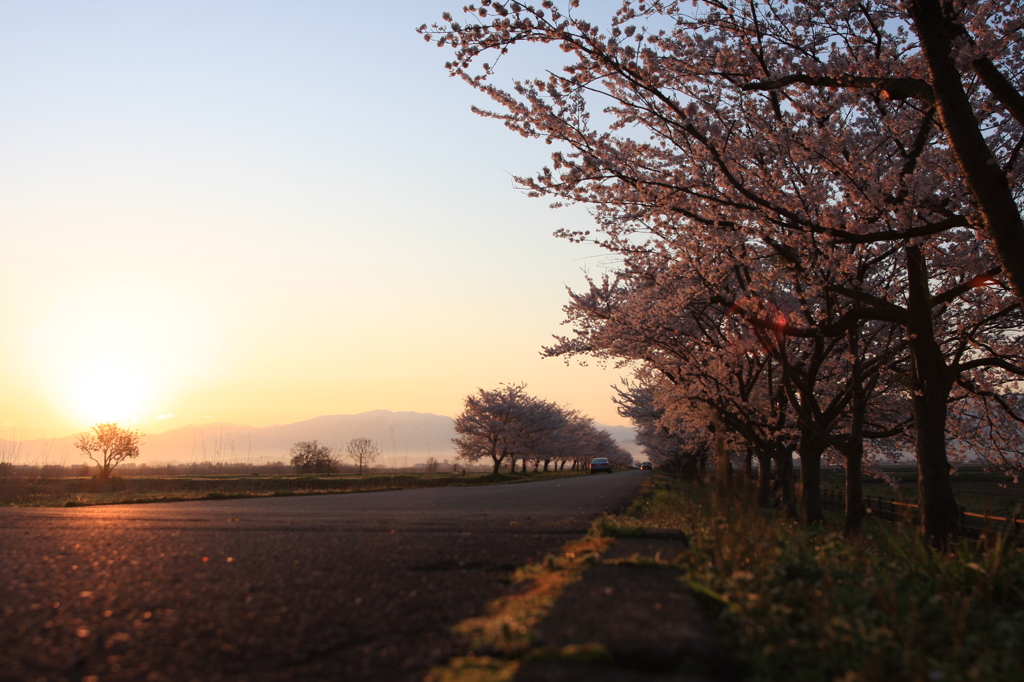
361, 586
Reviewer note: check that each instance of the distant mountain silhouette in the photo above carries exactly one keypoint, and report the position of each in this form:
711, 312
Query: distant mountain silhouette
402, 435
405, 438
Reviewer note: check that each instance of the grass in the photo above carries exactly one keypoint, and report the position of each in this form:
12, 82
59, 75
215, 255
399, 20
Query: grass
499, 641
800, 603
73, 492
976, 490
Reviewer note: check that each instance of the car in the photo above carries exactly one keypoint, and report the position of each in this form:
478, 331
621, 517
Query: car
646, 465
599, 464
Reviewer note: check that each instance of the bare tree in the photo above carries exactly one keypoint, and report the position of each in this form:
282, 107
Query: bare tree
432, 464
310, 457
362, 452
108, 445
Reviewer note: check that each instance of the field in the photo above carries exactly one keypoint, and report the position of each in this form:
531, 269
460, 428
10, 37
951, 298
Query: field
29, 491
976, 490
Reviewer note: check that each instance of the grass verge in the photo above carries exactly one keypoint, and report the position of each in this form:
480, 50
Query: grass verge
800, 603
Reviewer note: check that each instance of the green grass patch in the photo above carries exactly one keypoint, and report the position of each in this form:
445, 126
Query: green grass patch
800, 603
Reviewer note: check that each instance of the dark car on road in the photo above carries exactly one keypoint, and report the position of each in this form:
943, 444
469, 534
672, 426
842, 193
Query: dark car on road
599, 464
646, 465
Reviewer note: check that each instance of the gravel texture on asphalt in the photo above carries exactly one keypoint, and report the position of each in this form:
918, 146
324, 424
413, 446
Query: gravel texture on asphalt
354, 587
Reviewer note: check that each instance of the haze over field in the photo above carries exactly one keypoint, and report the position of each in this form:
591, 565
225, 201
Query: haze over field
257, 213
405, 438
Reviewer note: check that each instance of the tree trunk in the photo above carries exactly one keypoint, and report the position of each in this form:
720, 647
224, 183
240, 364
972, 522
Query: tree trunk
853, 451
931, 382
748, 475
784, 480
810, 450
764, 477
723, 469
979, 167
854, 490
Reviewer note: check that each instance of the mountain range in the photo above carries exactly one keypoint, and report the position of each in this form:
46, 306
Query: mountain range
405, 438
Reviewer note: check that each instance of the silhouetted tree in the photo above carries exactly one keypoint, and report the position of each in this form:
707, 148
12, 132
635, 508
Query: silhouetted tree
310, 457
108, 445
363, 452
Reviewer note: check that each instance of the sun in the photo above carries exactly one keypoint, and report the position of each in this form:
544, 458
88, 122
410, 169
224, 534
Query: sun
109, 391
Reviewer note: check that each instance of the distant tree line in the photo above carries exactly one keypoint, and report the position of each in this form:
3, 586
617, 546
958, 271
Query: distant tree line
313, 457
507, 425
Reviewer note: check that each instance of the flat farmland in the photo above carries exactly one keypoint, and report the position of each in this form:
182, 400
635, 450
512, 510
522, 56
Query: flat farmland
36, 491
976, 490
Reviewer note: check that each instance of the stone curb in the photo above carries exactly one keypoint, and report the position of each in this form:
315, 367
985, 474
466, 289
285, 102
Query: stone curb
626, 621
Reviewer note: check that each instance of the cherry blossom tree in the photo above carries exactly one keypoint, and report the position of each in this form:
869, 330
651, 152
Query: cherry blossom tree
508, 424
963, 59
500, 424
960, 62
710, 152
680, 452
583, 441
541, 434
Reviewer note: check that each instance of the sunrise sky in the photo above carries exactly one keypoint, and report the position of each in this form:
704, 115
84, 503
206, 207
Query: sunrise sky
261, 213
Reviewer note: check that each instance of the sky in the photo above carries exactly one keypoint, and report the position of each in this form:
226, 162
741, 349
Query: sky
262, 212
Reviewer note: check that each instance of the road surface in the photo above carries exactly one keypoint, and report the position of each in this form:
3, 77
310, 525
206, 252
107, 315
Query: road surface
360, 586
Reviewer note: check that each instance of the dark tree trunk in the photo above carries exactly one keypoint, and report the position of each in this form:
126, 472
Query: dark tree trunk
723, 469
979, 167
853, 451
784, 484
748, 475
810, 450
764, 477
854, 491
931, 382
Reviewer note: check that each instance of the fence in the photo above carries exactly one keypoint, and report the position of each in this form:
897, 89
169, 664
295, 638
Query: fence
970, 525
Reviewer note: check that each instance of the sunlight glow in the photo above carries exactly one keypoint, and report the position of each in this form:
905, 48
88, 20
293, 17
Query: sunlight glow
109, 392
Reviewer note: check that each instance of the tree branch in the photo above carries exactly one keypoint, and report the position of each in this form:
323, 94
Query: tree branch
892, 88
